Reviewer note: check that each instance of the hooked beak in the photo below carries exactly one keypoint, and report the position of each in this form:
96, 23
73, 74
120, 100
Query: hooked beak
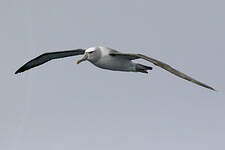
82, 59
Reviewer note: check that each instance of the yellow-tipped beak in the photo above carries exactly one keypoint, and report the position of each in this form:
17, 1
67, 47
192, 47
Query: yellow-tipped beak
82, 59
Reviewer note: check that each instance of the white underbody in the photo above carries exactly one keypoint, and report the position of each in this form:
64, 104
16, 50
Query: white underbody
115, 63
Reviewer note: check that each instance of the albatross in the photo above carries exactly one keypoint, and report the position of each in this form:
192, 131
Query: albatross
107, 58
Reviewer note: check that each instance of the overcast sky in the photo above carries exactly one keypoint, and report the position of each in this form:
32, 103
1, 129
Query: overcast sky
61, 105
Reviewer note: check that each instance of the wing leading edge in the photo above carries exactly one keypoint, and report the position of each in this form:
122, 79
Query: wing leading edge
49, 56
164, 66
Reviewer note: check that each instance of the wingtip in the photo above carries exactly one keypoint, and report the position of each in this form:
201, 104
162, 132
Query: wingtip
214, 90
211, 88
20, 70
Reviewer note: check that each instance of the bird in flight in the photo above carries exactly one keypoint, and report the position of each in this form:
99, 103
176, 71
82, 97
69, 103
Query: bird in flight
107, 58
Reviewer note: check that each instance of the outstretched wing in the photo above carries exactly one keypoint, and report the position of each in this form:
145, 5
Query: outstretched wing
162, 65
47, 57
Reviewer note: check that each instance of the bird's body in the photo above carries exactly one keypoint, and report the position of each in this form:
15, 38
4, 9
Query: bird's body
115, 64
107, 58
106, 61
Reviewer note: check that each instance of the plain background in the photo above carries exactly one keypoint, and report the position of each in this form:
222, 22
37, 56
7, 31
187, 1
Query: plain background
61, 105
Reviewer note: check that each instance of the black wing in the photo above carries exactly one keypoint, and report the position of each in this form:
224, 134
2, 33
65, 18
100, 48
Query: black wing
164, 66
47, 57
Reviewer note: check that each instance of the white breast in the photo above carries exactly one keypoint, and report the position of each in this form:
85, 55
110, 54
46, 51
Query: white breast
104, 51
114, 63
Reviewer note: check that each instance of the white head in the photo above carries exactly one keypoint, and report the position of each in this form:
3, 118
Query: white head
92, 54
91, 49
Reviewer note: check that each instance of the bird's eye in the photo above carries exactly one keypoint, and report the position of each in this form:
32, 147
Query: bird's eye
91, 52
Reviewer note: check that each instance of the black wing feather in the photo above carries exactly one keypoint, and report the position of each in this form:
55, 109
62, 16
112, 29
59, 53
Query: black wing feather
47, 57
164, 66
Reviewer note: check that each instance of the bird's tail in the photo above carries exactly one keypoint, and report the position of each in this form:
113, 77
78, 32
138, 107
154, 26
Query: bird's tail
142, 68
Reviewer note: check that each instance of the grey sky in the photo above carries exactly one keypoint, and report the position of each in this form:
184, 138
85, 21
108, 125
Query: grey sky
61, 105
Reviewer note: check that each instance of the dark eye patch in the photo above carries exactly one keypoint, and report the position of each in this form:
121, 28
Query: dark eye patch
91, 52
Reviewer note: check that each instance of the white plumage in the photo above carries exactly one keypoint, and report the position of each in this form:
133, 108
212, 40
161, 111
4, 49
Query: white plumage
107, 58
